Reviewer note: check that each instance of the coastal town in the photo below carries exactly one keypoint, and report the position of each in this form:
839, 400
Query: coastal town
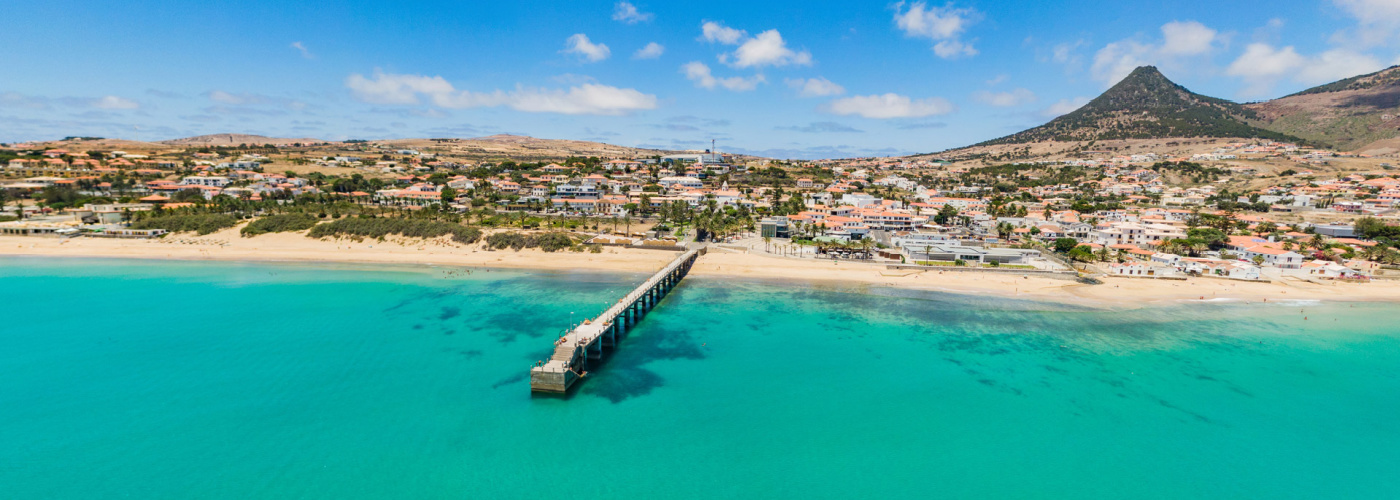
1240, 211
782, 250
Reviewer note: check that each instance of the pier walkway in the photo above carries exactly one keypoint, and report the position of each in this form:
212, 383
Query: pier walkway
586, 341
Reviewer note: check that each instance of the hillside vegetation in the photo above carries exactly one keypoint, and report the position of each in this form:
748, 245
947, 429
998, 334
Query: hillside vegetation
1348, 114
1146, 105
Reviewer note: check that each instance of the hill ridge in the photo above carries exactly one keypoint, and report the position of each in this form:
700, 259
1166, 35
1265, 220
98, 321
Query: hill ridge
1147, 105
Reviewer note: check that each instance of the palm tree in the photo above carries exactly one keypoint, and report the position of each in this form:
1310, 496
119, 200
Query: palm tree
1197, 248
1391, 256
1371, 252
1317, 242
1004, 230
766, 241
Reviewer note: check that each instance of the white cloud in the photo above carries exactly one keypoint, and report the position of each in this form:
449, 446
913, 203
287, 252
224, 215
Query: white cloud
889, 106
1066, 53
1378, 22
21, 101
585, 48
114, 102
944, 25
953, 49
1263, 61
628, 13
587, 99
387, 88
1377, 10
1262, 65
1337, 64
714, 32
815, 87
1064, 106
1187, 38
583, 99
998, 80
1004, 99
1117, 59
699, 73
18, 100
1181, 41
301, 47
937, 23
245, 99
766, 49
652, 50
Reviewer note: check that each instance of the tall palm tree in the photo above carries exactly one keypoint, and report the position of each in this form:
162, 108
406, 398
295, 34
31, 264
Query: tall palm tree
1317, 242
1197, 248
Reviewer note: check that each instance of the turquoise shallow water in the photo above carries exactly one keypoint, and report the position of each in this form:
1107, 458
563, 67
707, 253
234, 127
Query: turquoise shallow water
124, 379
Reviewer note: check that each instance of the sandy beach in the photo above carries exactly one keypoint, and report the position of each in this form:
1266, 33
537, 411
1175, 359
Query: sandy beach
295, 247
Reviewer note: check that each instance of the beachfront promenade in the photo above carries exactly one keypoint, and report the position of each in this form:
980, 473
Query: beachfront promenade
572, 351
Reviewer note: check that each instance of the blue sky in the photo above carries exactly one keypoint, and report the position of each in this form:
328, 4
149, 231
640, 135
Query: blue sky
788, 79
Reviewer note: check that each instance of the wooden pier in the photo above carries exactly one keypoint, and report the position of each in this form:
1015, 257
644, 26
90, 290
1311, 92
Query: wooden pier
588, 340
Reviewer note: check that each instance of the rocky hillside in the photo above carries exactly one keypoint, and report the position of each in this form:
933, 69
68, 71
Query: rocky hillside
1146, 105
525, 148
237, 139
1356, 114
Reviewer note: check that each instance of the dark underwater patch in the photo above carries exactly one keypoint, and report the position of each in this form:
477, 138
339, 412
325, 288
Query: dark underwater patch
513, 379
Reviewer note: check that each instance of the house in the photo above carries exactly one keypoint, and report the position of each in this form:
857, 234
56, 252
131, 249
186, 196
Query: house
1330, 270
680, 182
210, 181
579, 191
1142, 269
1249, 247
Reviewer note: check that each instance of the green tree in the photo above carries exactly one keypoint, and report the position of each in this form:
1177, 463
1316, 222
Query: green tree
1082, 253
945, 214
1064, 245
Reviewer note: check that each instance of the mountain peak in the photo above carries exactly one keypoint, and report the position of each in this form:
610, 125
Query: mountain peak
1146, 72
1147, 105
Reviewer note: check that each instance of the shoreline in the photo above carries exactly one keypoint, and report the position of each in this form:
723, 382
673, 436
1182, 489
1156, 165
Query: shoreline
292, 248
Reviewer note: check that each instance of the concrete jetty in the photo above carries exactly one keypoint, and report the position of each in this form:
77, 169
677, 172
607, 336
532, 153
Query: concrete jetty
569, 362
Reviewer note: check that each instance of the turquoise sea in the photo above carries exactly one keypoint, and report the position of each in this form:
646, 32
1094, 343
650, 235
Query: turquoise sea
132, 379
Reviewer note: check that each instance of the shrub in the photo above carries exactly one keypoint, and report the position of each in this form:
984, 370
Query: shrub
549, 242
381, 227
552, 242
279, 223
199, 223
502, 241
